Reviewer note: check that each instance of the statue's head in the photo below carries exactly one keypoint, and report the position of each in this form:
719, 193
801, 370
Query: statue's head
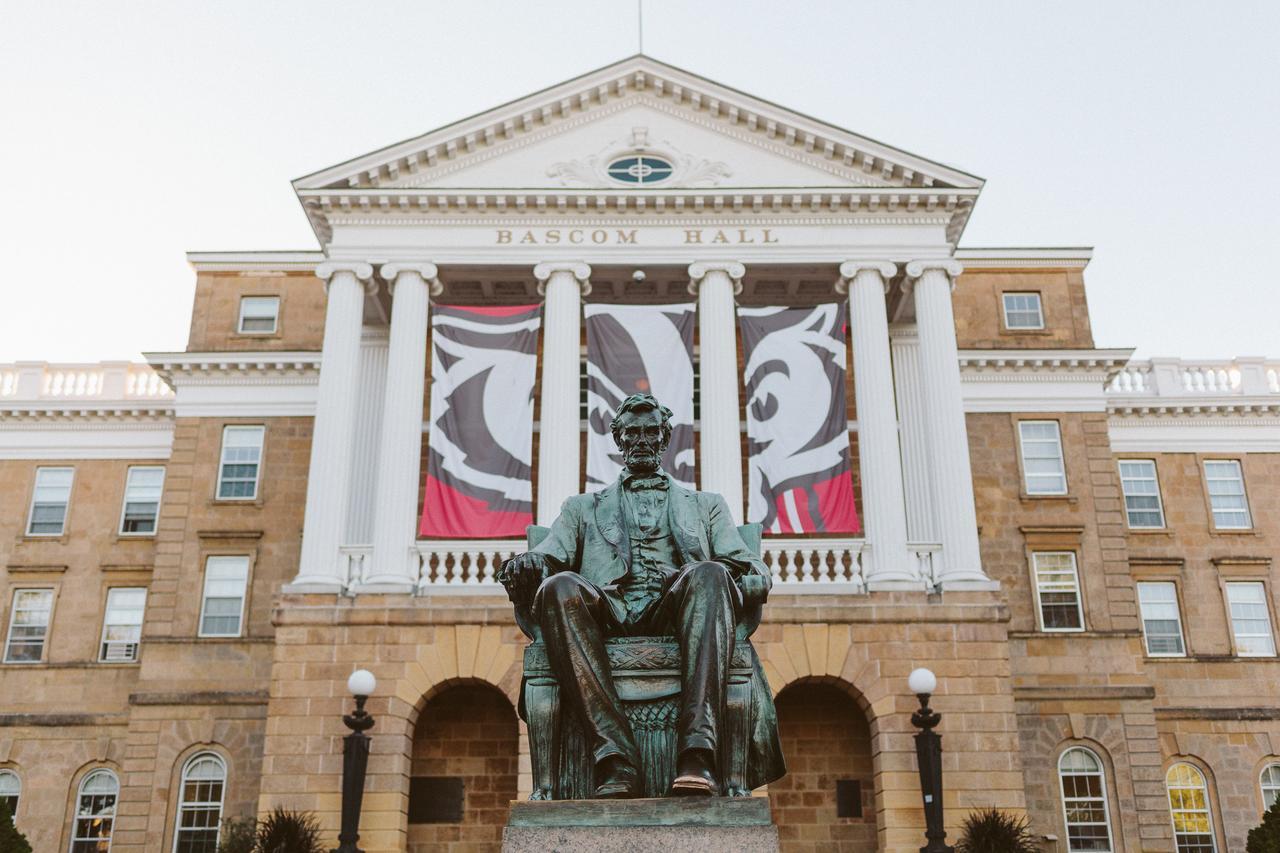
642, 431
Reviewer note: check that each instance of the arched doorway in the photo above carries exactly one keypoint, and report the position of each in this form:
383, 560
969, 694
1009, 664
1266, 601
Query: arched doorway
826, 802
463, 770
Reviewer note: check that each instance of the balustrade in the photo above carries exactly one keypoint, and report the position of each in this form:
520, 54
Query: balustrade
32, 381
1169, 377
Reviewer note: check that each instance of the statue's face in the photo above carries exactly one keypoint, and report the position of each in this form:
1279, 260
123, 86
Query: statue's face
641, 441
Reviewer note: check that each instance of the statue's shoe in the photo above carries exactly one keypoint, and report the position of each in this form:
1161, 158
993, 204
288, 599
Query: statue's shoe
618, 780
694, 776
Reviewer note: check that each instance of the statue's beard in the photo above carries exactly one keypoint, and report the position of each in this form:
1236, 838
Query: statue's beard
642, 458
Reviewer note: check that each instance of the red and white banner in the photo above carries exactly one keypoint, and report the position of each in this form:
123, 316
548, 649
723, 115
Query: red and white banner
479, 480
797, 426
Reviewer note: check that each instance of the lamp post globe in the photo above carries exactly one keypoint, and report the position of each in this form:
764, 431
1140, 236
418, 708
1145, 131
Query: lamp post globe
362, 683
919, 681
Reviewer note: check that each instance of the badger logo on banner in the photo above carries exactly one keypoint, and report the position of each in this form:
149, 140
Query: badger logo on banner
480, 443
797, 428
633, 349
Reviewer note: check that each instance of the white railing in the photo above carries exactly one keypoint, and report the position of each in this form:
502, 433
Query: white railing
1172, 377
801, 563
356, 560
32, 381
463, 565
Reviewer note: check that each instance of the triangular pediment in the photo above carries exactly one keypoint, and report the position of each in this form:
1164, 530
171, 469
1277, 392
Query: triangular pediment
690, 132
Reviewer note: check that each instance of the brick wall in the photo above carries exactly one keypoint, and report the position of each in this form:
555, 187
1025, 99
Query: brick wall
979, 309
215, 316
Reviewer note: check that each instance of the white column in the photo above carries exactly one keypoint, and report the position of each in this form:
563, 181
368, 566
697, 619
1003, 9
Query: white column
394, 566
320, 570
559, 460
720, 442
904, 345
885, 563
956, 522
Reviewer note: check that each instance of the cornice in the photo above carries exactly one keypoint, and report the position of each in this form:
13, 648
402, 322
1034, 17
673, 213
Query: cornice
282, 261
1024, 258
222, 368
1237, 407
978, 365
101, 416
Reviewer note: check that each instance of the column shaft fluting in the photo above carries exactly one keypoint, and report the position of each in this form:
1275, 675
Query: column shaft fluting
328, 479
956, 521
720, 437
400, 447
879, 456
559, 456
905, 348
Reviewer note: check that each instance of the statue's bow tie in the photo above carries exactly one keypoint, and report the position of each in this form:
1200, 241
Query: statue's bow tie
638, 483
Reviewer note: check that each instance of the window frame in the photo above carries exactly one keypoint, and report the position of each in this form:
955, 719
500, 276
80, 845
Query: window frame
1106, 804
106, 613
1274, 786
1004, 310
1035, 583
244, 595
66, 507
275, 318
75, 812
1244, 493
1022, 459
48, 625
1177, 603
124, 501
1155, 478
1227, 585
182, 795
1208, 803
12, 773
222, 463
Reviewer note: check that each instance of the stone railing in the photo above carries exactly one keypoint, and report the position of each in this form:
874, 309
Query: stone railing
1172, 377
38, 381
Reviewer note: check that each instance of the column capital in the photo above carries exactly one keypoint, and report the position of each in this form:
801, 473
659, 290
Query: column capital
580, 271
360, 269
428, 271
950, 266
698, 270
850, 269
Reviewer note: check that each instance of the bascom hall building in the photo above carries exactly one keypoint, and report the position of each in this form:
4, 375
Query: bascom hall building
197, 550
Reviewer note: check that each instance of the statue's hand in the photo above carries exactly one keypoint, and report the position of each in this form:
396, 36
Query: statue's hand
522, 575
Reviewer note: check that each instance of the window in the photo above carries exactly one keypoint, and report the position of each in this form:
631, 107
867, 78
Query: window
241, 455
1250, 619
1022, 311
223, 606
640, 170
142, 489
122, 626
49, 501
1084, 801
11, 789
1161, 622
1189, 806
1042, 464
1141, 493
258, 314
1058, 591
1270, 785
200, 805
1226, 494
28, 625
95, 813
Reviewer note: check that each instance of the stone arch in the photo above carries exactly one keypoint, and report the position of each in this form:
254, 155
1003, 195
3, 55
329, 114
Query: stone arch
73, 793
1265, 761
174, 790
465, 739
1211, 791
827, 741
1114, 811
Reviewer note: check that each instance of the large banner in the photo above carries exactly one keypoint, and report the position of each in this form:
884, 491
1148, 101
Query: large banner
633, 349
797, 427
480, 443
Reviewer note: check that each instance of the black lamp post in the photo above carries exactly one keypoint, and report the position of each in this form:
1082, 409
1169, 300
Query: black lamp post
355, 759
922, 682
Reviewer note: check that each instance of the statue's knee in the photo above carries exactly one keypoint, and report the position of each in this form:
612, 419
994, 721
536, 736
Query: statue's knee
560, 588
709, 573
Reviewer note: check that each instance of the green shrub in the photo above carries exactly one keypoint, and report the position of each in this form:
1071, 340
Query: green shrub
285, 831
239, 835
11, 841
994, 831
1265, 838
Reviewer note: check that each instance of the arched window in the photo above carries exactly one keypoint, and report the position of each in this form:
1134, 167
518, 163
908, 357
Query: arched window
1189, 806
1084, 800
11, 788
1270, 785
95, 812
200, 804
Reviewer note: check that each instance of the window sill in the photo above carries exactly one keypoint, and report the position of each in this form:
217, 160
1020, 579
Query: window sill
1166, 532
27, 538
1026, 497
1228, 532
135, 537
1030, 332
250, 502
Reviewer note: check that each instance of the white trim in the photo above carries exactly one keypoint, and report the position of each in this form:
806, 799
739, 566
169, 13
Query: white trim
233, 385
1209, 433
283, 261
1038, 381
90, 439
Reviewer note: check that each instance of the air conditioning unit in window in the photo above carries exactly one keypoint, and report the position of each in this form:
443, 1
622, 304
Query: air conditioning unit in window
119, 652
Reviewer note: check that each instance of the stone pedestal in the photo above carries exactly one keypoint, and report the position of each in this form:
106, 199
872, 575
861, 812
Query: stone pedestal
671, 825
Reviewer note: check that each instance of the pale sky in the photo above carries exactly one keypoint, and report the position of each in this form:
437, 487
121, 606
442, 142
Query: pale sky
132, 132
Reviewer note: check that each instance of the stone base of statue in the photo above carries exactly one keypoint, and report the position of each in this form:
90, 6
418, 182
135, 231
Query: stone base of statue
660, 825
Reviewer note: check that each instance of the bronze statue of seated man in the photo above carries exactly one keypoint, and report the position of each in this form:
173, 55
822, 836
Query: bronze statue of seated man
643, 556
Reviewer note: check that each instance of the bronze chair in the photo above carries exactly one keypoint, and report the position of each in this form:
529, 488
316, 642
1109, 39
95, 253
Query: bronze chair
646, 673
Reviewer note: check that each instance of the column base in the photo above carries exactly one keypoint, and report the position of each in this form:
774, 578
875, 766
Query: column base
313, 585
384, 586
968, 583
888, 584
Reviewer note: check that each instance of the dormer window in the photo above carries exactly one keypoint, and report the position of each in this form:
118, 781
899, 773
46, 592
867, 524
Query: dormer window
258, 315
640, 170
